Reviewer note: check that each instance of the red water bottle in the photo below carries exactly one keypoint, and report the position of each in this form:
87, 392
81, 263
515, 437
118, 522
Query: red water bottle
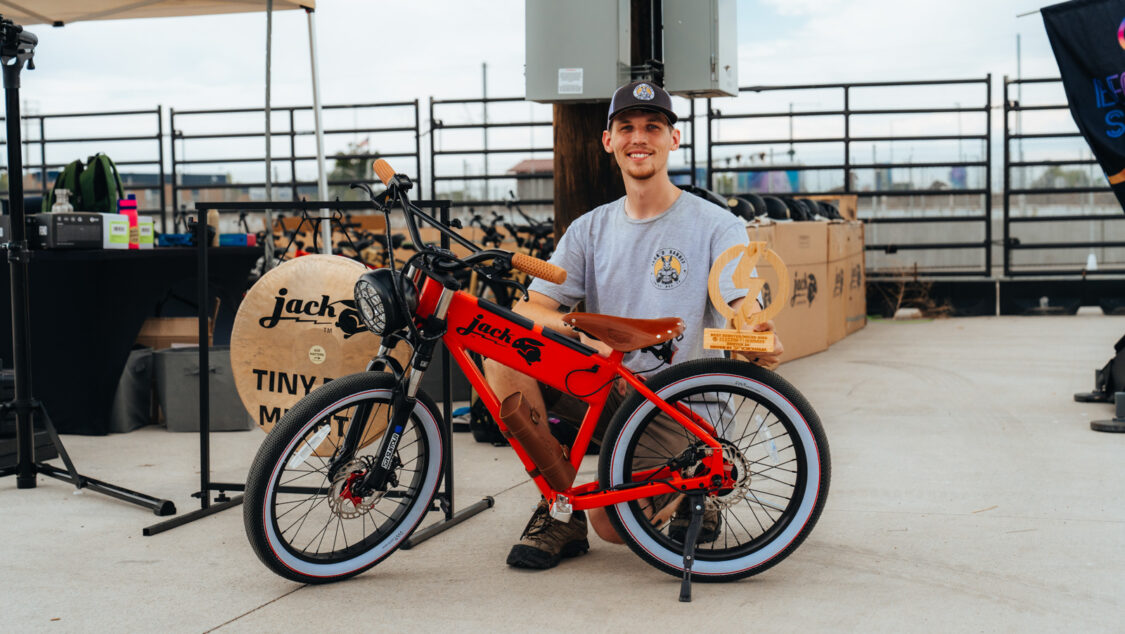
128, 206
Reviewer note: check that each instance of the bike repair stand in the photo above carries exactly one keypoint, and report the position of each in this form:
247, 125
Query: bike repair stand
443, 499
17, 48
695, 501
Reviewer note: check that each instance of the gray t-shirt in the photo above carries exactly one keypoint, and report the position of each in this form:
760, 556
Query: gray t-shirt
651, 268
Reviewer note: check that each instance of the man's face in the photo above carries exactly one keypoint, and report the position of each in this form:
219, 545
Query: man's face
641, 141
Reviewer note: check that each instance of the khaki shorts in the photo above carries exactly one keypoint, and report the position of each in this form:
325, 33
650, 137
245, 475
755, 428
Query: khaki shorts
662, 439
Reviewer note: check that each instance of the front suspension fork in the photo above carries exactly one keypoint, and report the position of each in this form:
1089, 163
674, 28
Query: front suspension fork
403, 400
402, 405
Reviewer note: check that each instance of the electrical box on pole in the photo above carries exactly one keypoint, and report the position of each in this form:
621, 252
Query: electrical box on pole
701, 48
577, 50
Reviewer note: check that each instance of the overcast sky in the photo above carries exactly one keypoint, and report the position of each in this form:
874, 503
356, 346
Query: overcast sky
376, 50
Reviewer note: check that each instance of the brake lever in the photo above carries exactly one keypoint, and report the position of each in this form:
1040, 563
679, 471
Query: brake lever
496, 273
662, 351
515, 285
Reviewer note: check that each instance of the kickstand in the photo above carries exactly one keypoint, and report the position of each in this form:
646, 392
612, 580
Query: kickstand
695, 501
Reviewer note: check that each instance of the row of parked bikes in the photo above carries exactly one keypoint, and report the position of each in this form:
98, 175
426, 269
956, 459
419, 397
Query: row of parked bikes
517, 231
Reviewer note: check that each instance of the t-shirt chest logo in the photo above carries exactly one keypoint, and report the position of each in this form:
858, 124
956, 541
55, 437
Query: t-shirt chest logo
669, 268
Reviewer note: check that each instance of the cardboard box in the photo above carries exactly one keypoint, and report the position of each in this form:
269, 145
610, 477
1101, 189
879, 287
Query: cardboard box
802, 324
848, 204
801, 242
159, 333
760, 232
855, 316
845, 240
837, 301
169, 332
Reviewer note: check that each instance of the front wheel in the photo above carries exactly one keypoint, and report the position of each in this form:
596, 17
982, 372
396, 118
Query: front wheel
309, 528
773, 442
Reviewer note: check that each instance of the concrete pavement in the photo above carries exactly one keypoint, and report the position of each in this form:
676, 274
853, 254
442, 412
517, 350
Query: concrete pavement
968, 494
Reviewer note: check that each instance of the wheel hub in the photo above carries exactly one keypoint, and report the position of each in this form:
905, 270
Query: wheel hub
739, 472
344, 501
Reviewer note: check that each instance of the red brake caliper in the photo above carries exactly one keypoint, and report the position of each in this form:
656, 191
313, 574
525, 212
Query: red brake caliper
347, 493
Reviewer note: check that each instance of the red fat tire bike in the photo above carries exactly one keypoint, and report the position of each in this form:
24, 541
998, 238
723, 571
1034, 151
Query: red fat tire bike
734, 450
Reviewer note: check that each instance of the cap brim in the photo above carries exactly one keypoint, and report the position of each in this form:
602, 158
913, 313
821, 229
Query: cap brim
671, 116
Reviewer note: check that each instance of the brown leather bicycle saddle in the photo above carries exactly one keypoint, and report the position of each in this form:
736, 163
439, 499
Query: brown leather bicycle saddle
625, 334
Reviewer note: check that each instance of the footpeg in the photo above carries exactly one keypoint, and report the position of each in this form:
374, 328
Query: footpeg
561, 508
695, 503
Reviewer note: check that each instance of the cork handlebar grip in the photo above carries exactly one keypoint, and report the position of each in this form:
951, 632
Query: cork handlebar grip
539, 268
384, 171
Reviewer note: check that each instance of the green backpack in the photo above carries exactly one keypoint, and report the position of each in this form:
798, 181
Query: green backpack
68, 179
100, 185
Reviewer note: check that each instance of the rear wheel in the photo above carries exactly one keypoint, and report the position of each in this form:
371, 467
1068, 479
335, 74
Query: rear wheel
311, 528
774, 443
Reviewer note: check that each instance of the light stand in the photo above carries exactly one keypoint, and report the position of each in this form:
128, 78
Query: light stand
17, 48
1117, 423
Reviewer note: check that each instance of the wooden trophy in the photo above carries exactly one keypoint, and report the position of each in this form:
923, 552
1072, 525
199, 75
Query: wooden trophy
743, 337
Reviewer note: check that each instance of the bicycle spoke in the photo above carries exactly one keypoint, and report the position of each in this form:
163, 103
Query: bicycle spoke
746, 424
310, 525
764, 504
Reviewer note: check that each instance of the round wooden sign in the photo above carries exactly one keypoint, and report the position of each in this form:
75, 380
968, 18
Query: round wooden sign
297, 329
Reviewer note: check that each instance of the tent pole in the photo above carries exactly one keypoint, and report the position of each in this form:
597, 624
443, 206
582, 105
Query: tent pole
268, 242
322, 181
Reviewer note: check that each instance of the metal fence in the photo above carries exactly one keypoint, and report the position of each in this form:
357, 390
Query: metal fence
921, 167
1060, 217
831, 125
504, 153
232, 167
465, 131
132, 138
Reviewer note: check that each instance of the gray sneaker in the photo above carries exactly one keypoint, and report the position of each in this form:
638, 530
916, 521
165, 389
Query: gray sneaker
546, 540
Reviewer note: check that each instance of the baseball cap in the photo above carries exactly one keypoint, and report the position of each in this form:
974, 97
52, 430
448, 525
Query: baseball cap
641, 95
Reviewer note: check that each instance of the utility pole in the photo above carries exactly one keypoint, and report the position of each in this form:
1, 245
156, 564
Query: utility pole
585, 175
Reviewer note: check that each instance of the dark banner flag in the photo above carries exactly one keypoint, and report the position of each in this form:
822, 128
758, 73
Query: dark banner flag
1088, 37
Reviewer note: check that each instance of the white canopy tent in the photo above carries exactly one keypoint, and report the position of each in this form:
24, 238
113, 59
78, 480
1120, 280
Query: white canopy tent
61, 12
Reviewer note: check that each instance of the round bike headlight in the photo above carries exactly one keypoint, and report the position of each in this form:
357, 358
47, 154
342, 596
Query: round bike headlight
371, 307
378, 306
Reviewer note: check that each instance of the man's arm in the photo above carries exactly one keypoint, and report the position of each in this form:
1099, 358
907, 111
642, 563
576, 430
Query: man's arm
768, 360
545, 311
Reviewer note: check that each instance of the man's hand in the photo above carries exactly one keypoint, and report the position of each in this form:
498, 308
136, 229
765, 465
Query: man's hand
768, 360
601, 347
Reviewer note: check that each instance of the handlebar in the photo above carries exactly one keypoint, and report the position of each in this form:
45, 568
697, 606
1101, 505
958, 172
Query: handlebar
535, 267
384, 171
397, 185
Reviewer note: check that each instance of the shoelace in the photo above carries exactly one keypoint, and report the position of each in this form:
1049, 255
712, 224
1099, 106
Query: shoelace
538, 523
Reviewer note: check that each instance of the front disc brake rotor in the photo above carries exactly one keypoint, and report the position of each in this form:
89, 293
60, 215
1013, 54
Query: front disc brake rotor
343, 502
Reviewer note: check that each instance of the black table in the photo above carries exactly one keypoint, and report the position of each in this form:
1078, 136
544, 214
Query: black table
87, 307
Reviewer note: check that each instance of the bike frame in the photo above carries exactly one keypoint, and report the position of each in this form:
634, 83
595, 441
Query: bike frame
552, 358
467, 324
